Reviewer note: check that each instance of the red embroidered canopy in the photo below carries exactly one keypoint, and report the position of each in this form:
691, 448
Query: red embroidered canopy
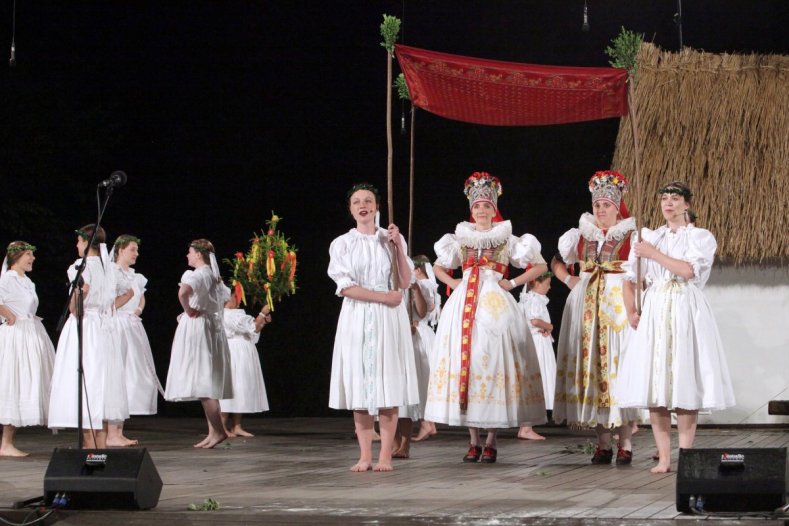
498, 93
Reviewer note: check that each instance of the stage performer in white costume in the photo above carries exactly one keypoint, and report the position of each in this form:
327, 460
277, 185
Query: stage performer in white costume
675, 361
485, 372
373, 371
26, 352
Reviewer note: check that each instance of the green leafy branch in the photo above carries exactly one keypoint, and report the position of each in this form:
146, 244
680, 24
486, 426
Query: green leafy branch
208, 504
402, 88
625, 50
389, 30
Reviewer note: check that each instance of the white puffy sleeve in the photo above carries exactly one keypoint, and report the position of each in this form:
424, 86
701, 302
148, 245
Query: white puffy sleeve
525, 250
193, 280
238, 323
340, 264
700, 254
447, 252
568, 245
72, 272
629, 266
141, 281
5, 289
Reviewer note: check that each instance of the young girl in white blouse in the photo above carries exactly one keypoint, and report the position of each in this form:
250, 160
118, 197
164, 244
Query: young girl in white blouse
373, 371
675, 362
249, 389
200, 357
26, 352
534, 305
142, 383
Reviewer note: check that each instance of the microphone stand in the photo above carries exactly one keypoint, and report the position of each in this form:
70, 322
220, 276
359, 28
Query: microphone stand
76, 288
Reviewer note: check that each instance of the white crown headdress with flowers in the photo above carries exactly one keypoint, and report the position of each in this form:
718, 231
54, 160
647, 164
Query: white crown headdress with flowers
481, 186
608, 184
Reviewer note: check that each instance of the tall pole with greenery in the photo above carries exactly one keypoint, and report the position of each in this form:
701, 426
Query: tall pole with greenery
623, 54
389, 30
402, 92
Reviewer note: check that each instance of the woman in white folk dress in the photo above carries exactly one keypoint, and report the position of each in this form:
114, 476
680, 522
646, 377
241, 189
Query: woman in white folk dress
675, 362
200, 358
142, 383
594, 326
534, 306
485, 372
26, 352
249, 389
104, 399
373, 371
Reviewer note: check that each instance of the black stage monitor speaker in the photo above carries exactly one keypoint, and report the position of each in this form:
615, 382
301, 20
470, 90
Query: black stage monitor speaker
735, 479
102, 478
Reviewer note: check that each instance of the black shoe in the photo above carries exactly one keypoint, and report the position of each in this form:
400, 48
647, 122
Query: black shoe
473, 454
489, 455
624, 457
602, 456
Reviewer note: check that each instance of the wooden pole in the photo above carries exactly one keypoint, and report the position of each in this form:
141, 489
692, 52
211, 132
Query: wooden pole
411, 181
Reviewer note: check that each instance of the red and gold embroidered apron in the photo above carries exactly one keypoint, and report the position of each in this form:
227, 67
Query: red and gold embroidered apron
469, 311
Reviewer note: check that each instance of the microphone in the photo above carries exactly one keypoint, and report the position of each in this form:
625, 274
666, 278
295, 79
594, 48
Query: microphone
12, 60
116, 179
585, 25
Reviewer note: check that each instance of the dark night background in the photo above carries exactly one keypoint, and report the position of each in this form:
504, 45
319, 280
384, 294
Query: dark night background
223, 111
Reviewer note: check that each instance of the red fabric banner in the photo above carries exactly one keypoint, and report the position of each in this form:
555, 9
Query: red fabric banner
497, 93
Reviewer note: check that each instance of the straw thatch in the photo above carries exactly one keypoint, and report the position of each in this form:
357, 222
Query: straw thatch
720, 123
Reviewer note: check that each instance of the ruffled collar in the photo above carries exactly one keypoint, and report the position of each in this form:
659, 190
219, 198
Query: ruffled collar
540, 298
591, 232
467, 236
359, 235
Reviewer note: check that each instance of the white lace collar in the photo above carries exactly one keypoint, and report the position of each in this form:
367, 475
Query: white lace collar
591, 232
467, 236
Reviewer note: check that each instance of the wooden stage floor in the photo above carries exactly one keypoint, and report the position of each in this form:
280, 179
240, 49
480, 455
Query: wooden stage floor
295, 471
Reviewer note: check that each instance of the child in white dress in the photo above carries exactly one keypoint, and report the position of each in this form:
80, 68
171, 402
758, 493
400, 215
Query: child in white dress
249, 389
675, 362
26, 352
425, 327
200, 357
534, 305
104, 399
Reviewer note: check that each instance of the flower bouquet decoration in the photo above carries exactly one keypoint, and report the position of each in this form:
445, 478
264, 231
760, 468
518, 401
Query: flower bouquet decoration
267, 272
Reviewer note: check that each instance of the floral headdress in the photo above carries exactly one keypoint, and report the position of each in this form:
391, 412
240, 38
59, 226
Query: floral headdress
15, 247
481, 186
125, 239
610, 185
81, 233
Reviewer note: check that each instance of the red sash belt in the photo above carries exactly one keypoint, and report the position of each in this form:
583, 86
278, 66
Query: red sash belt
469, 311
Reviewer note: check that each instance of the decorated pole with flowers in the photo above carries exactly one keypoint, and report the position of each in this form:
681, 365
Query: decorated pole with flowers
267, 271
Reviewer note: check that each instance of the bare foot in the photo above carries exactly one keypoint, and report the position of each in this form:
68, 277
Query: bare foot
661, 468
362, 466
121, 441
11, 451
214, 440
404, 451
634, 428
239, 432
531, 434
376, 437
383, 466
424, 433
229, 433
202, 442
